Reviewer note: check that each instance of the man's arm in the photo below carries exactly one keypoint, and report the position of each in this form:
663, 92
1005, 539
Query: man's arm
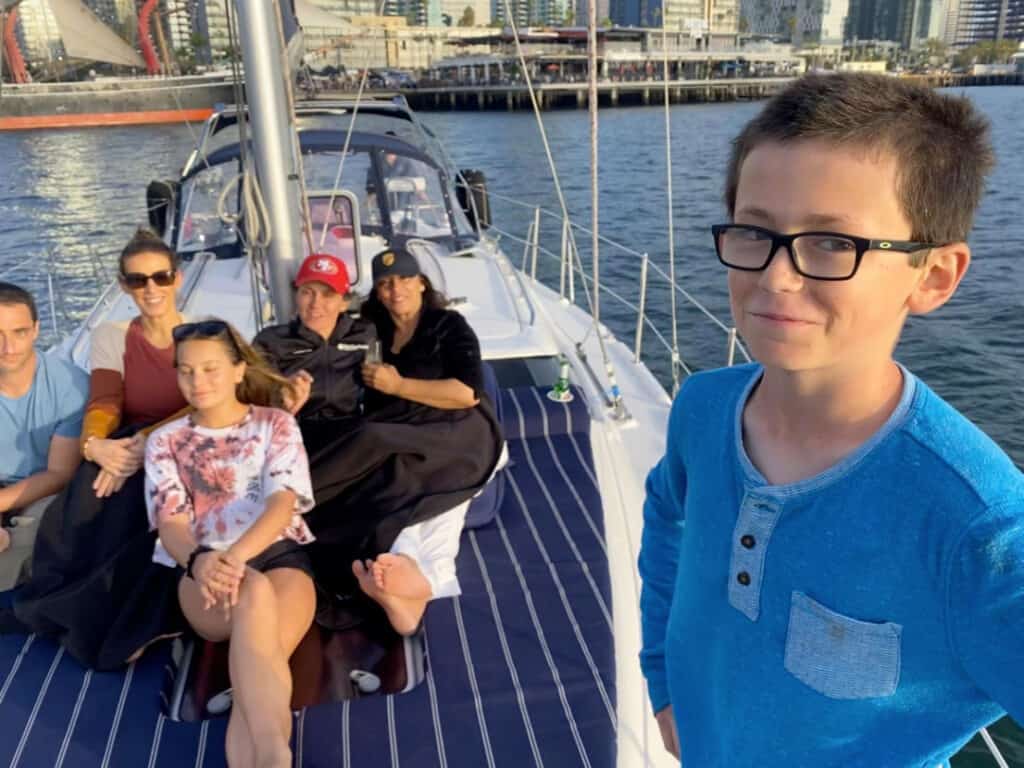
62, 461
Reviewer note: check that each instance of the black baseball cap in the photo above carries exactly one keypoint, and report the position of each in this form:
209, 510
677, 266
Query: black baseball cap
395, 261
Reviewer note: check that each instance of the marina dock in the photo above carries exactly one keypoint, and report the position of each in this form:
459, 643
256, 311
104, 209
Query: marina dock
573, 94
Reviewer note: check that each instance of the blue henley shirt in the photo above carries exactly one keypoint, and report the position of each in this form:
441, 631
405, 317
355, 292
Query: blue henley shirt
872, 615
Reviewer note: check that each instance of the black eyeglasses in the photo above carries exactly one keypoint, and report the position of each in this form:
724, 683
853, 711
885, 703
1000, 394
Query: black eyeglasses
137, 280
204, 329
817, 255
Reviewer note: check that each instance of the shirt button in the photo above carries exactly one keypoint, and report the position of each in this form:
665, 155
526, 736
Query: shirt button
743, 578
748, 541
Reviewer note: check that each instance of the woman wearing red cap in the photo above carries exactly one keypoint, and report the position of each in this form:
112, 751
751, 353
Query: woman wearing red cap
321, 351
391, 497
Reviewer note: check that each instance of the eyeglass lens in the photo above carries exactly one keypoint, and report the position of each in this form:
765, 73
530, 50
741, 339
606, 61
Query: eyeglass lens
816, 255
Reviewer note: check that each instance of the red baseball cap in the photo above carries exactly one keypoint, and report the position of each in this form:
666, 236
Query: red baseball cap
326, 269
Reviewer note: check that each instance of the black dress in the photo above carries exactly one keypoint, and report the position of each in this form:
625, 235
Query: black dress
407, 462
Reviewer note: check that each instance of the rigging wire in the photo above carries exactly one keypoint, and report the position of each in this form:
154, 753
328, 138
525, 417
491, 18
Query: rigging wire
616, 396
676, 360
348, 138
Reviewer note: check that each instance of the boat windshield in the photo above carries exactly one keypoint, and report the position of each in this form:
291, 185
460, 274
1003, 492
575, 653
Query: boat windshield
414, 197
201, 225
320, 170
406, 190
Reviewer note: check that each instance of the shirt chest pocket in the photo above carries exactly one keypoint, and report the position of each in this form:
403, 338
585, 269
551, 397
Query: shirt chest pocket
838, 656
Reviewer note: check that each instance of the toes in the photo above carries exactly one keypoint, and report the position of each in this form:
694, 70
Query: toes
379, 571
389, 560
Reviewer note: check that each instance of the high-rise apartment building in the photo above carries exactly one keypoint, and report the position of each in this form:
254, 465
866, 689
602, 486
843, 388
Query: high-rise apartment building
545, 12
908, 22
38, 35
698, 17
981, 20
803, 22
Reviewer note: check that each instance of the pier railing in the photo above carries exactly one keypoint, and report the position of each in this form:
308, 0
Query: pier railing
571, 278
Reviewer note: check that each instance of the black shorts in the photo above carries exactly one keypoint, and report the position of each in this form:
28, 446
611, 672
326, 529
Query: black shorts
283, 554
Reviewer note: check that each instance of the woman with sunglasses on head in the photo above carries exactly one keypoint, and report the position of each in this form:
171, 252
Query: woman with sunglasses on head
91, 587
226, 487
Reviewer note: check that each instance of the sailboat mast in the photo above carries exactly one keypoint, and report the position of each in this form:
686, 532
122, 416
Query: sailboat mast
274, 150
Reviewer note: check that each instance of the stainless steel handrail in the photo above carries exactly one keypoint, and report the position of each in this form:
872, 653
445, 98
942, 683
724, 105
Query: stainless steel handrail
569, 266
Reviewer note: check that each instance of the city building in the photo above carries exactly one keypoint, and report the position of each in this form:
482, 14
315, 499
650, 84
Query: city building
952, 21
802, 22
350, 7
544, 12
981, 20
701, 20
422, 13
909, 22
37, 32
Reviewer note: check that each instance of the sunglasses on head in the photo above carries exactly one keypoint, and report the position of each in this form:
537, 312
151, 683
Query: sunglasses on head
137, 280
204, 329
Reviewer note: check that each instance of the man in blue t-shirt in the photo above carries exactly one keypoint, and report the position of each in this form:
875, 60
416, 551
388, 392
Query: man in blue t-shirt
832, 556
41, 404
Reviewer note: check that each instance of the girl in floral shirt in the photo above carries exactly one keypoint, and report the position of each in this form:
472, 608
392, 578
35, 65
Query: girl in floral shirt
226, 488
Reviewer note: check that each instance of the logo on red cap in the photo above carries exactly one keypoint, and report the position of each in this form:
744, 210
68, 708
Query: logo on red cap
327, 266
326, 269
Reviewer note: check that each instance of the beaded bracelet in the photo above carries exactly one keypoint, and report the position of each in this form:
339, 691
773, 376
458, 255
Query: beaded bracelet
200, 550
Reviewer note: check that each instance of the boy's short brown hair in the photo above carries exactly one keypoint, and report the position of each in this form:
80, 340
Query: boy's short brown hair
941, 143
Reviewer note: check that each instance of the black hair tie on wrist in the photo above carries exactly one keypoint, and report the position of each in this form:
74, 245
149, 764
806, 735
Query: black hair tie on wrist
202, 549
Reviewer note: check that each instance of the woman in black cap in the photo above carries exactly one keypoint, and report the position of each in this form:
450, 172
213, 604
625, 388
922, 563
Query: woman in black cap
429, 442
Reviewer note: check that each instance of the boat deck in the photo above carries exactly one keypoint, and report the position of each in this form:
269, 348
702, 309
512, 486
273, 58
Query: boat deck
520, 668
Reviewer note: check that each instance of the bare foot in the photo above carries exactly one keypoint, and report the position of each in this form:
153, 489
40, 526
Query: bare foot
399, 575
396, 583
5, 539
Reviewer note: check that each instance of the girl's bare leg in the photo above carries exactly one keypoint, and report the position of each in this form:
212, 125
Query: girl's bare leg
273, 613
296, 606
213, 625
238, 746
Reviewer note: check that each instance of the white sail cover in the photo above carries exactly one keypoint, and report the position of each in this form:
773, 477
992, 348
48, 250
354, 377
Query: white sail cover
86, 37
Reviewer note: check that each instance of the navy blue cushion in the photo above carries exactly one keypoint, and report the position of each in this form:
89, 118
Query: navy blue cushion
484, 507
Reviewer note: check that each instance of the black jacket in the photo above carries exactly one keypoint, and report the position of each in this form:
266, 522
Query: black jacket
443, 346
334, 364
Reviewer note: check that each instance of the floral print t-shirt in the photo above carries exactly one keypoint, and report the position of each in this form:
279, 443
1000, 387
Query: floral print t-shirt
221, 478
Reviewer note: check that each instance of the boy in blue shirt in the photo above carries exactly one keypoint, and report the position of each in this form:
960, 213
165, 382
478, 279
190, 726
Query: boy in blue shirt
41, 404
833, 557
